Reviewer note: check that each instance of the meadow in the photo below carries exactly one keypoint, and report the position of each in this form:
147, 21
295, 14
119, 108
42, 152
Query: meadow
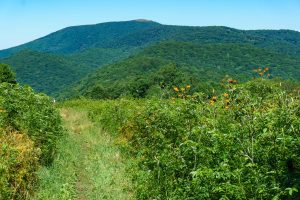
241, 142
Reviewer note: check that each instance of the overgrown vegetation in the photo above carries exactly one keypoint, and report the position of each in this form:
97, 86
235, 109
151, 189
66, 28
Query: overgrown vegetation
243, 144
6, 74
29, 129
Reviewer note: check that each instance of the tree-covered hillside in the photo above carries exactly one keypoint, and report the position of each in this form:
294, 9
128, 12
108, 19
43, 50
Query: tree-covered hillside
170, 64
77, 38
138, 33
50, 73
44, 72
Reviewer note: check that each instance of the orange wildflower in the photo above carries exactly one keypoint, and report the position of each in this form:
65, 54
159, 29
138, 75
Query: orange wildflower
232, 81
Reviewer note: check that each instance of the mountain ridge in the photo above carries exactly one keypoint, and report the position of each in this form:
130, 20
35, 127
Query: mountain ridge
136, 26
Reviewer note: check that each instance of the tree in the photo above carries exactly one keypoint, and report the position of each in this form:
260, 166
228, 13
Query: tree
6, 74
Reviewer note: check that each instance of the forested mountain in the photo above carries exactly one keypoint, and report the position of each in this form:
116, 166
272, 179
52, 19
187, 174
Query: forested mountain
139, 33
56, 61
51, 73
78, 38
169, 64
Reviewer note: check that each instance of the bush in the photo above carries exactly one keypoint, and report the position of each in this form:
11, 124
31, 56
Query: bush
34, 114
6, 75
18, 164
243, 144
30, 127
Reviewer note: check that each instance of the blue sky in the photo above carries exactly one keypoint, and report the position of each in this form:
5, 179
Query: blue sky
26, 20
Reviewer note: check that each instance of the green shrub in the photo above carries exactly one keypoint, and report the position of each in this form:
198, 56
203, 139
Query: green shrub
244, 144
18, 165
34, 114
6, 75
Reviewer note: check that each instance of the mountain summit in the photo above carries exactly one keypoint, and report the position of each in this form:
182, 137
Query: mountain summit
143, 20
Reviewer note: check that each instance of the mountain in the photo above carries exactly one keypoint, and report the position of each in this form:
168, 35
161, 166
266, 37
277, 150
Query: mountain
51, 73
139, 33
43, 72
170, 64
78, 38
54, 62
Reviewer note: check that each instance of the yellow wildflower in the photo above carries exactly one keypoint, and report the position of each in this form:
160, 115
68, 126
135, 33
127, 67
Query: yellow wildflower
214, 98
176, 89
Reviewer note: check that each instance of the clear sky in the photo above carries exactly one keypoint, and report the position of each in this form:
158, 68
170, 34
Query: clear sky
25, 20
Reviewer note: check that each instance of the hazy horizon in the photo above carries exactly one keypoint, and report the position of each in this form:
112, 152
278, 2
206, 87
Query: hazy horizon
27, 20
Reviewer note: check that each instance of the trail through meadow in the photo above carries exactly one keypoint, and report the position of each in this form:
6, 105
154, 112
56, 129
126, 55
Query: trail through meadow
89, 165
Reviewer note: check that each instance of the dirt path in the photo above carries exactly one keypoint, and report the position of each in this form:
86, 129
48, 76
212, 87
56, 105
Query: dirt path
95, 168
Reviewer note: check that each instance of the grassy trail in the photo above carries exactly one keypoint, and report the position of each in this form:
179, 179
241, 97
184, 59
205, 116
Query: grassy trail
89, 166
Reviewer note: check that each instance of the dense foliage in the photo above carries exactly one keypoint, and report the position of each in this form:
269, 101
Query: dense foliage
19, 163
30, 127
34, 114
243, 144
6, 74
171, 63
51, 73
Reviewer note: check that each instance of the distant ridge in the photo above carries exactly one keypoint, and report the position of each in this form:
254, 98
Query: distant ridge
142, 32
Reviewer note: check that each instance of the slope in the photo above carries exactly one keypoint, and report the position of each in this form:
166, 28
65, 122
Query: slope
50, 73
44, 72
78, 38
169, 64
